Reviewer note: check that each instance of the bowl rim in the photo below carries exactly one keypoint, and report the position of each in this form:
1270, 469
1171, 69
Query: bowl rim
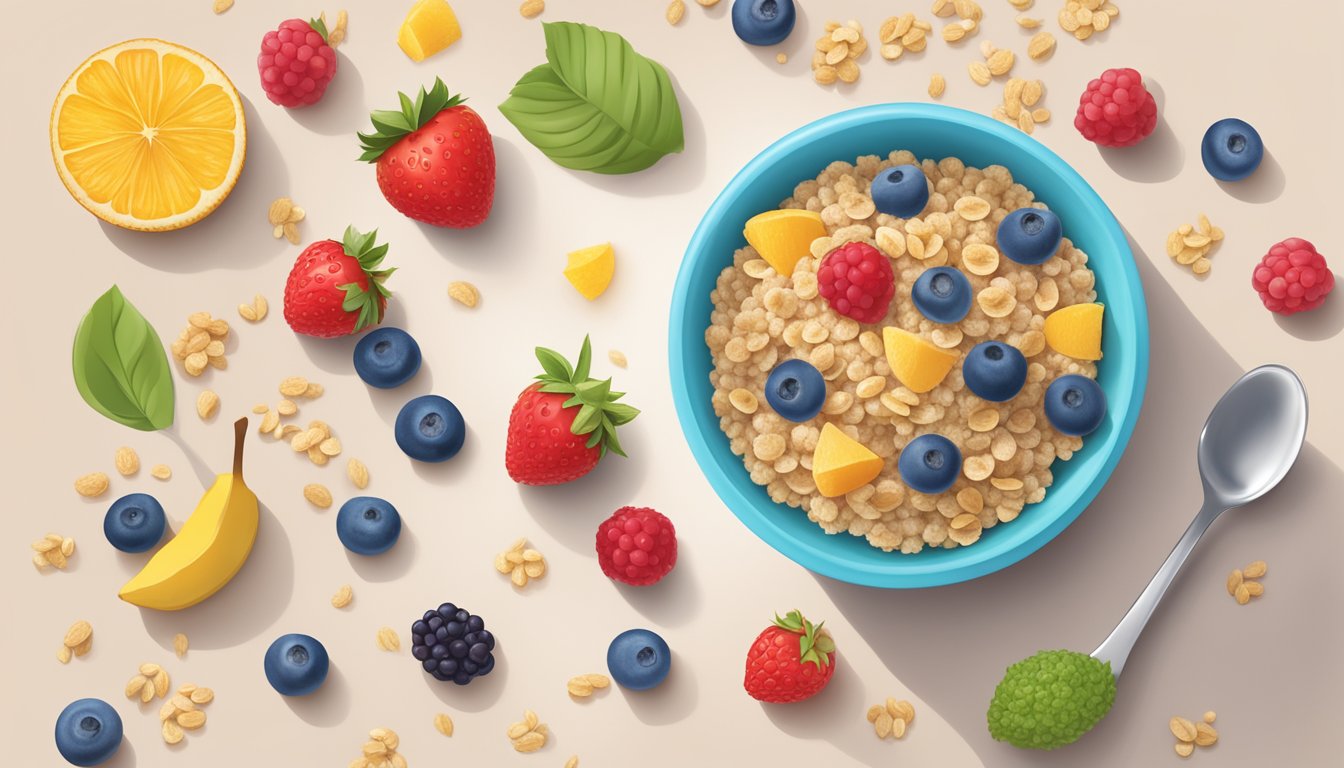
832, 563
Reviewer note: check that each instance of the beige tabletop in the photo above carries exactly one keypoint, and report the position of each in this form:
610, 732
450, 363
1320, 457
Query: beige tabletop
1271, 669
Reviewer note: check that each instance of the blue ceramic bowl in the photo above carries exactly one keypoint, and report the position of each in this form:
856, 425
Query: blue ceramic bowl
928, 131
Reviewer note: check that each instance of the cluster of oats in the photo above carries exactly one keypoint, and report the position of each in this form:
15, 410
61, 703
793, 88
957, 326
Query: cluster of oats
149, 681
127, 463
521, 563
1191, 246
1191, 734
1081, 18
256, 311
183, 712
284, 217
892, 718
1019, 107
837, 52
78, 641
761, 318
201, 343
968, 12
899, 34
316, 440
380, 751
1243, 583
582, 686
53, 551
997, 63
528, 735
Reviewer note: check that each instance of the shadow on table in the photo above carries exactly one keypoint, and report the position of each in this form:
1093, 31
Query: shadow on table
950, 645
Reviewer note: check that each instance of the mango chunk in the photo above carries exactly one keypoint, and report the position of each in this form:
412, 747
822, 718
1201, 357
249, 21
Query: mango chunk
841, 464
590, 269
918, 364
783, 237
1075, 331
430, 26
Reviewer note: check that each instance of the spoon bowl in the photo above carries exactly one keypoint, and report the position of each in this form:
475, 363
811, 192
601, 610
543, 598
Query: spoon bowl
1253, 435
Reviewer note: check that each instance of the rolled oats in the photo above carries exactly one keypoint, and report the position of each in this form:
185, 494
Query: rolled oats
126, 461
358, 473
388, 639
443, 723
464, 293
530, 9
317, 495
343, 596
92, 485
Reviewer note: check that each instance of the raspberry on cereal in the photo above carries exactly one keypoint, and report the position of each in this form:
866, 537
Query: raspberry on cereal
856, 280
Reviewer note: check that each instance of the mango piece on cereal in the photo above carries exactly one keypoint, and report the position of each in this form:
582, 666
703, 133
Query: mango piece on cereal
590, 269
783, 237
841, 464
1075, 331
430, 26
918, 364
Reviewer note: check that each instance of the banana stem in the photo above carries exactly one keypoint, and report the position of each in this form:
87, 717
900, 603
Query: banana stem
239, 435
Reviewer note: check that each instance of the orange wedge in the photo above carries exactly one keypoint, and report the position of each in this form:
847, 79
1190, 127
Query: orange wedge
148, 135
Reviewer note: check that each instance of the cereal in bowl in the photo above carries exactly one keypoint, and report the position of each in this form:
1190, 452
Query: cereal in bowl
902, 306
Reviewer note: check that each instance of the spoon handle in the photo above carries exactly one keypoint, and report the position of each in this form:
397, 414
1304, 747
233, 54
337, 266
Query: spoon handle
1116, 647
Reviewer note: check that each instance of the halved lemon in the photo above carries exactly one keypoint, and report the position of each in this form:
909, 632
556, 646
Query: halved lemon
148, 135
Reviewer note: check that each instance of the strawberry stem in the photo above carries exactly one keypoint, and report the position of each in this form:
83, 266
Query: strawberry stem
598, 412
392, 125
368, 302
814, 645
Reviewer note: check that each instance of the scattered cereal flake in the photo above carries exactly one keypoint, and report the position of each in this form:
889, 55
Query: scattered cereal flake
180, 644
78, 632
782, 58
1028, 22
979, 72
293, 386
443, 723
279, 211
127, 461
388, 639
92, 485
343, 596
937, 86
358, 473
1184, 748
464, 293
1255, 570
1041, 46
618, 358
207, 403
675, 10
572, 762
530, 9
63, 655
222, 6
317, 495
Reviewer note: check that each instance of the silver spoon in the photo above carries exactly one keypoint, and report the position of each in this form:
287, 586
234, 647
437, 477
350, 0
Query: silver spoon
1248, 444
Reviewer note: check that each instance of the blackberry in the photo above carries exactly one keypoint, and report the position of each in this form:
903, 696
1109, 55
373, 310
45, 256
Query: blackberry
453, 644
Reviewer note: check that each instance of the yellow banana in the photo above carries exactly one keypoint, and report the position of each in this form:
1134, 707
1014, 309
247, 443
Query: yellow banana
209, 550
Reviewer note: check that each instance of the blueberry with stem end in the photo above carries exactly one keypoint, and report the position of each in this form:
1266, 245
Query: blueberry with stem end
430, 428
901, 191
1030, 235
1075, 404
296, 665
796, 390
88, 732
134, 523
368, 525
763, 22
942, 294
1232, 149
387, 357
929, 463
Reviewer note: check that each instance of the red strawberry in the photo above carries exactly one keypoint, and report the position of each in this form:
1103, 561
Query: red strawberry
565, 423
436, 161
336, 289
790, 661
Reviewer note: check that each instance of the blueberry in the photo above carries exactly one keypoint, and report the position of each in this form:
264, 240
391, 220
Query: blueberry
638, 659
134, 523
88, 732
1030, 235
1075, 405
942, 294
368, 525
994, 371
296, 665
930, 463
901, 191
430, 428
1232, 149
387, 357
763, 22
796, 390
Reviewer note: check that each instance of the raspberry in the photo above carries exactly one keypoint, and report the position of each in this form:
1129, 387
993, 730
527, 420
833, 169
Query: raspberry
857, 282
1292, 277
1116, 110
296, 63
636, 546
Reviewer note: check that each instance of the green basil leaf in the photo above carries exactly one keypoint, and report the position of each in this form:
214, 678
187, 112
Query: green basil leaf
596, 105
120, 367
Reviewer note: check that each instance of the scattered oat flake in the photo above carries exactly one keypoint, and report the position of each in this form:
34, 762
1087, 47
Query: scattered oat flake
464, 293
127, 461
675, 10
618, 358
222, 6
782, 58
180, 644
317, 495
937, 86
343, 596
92, 485
443, 723
358, 473
530, 9
388, 639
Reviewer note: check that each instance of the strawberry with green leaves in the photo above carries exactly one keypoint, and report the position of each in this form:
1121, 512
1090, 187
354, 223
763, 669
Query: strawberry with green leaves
336, 289
564, 424
790, 661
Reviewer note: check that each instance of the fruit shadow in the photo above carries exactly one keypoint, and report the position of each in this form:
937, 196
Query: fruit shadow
571, 512
392, 564
125, 757
335, 356
672, 602
342, 109
672, 174
1071, 592
453, 471
328, 705
245, 607
1324, 322
389, 402
672, 701
830, 715
1264, 186
1157, 158
478, 695
516, 203
233, 236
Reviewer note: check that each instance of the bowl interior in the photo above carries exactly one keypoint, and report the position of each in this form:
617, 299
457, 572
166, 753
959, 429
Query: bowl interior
930, 131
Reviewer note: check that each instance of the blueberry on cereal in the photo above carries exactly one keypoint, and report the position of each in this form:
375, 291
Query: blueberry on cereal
796, 390
1075, 405
930, 463
763, 22
1232, 149
901, 191
1030, 235
942, 294
994, 371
